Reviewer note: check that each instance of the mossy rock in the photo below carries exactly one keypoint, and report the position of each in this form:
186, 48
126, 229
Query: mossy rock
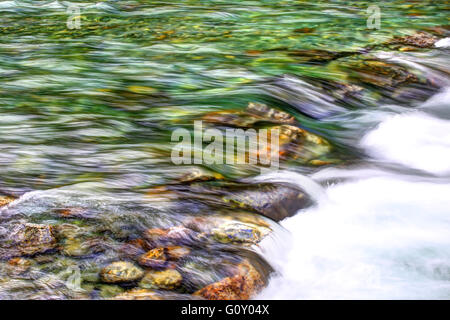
237, 233
121, 271
167, 279
109, 291
30, 238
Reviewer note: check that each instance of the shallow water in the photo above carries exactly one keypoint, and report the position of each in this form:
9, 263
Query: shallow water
86, 117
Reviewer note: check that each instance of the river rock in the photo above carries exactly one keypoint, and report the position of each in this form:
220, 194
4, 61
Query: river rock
255, 112
133, 249
299, 144
75, 212
158, 257
138, 294
31, 238
420, 39
378, 73
170, 236
317, 56
294, 143
346, 91
242, 286
146, 294
75, 247
167, 279
237, 232
208, 222
154, 258
177, 252
273, 201
200, 174
77, 241
109, 291
20, 264
121, 271
269, 114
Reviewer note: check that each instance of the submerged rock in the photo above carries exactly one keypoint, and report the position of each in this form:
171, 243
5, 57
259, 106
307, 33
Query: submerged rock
75, 247
345, 91
167, 279
200, 174
273, 201
146, 294
76, 241
269, 114
242, 286
154, 258
304, 30
157, 257
133, 249
441, 31
235, 227
420, 39
121, 271
297, 143
200, 272
255, 112
30, 238
74, 213
138, 294
378, 73
20, 264
170, 236
109, 291
230, 118
237, 232
177, 252
318, 56
294, 143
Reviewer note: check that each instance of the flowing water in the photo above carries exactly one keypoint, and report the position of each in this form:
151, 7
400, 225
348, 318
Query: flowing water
86, 116
380, 233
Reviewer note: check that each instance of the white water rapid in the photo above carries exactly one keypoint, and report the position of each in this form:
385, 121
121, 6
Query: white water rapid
379, 233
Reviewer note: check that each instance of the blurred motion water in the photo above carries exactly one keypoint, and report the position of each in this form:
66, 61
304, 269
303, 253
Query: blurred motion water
86, 116
381, 233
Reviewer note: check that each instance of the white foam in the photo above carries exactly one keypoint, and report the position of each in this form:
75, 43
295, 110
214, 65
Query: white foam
312, 188
414, 139
376, 238
443, 43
